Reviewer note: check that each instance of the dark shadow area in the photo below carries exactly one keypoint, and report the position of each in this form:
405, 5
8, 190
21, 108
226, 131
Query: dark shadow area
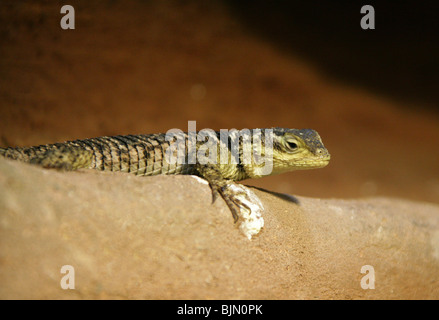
282, 196
398, 58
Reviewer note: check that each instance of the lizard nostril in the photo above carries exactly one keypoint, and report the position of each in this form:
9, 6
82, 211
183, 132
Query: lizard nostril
321, 152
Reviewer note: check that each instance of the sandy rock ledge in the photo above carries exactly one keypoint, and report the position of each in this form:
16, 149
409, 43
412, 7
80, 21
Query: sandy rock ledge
129, 237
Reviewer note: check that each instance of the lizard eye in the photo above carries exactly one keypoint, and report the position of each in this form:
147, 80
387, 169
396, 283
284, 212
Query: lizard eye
292, 145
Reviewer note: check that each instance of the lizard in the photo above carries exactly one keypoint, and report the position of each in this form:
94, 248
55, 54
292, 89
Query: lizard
146, 155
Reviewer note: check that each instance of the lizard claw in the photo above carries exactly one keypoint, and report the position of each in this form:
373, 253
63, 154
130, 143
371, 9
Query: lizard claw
215, 193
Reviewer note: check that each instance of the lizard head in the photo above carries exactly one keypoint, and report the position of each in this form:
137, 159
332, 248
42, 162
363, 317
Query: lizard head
298, 149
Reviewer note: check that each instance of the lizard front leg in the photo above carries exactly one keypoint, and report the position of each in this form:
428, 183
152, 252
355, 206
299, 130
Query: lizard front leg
243, 203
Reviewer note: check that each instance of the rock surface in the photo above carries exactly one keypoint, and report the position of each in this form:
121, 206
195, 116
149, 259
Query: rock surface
129, 237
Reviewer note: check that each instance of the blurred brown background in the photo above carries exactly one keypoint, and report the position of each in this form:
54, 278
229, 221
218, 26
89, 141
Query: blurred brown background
148, 66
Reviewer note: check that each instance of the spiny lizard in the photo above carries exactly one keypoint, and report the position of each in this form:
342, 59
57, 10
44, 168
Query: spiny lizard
287, 150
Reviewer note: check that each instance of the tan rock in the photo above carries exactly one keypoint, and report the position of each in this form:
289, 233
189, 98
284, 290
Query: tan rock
161, 238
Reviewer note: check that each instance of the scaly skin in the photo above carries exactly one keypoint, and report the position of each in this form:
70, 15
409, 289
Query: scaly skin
292, 149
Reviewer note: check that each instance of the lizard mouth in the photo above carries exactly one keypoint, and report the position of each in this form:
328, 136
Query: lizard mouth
313, 163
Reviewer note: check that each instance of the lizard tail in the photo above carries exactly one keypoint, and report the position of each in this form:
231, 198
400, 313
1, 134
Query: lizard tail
51, 156
14, 154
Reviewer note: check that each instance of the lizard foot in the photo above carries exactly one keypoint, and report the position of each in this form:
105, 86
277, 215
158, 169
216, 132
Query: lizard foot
245, 207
